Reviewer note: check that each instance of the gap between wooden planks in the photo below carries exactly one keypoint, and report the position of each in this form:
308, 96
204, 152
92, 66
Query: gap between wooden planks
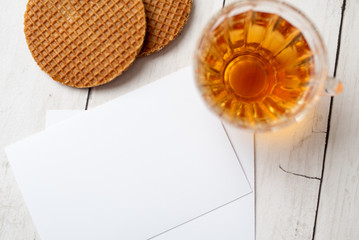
289, 162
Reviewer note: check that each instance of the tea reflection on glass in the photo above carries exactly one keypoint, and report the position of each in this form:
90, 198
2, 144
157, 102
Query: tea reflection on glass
256, 69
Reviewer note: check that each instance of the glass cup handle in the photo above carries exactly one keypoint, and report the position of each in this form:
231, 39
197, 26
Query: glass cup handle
333, 87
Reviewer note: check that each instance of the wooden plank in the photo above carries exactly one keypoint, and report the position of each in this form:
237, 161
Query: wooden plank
175, 56
289, 162
25, 94
286, 202
338, 214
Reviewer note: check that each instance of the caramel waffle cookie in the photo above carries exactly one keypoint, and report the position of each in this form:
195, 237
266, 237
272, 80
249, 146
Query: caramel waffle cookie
165, 20
83, 43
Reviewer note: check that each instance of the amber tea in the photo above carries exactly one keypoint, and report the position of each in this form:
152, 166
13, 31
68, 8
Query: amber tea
254, 68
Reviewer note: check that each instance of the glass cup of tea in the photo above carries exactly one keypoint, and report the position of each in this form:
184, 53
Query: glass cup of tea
261, 64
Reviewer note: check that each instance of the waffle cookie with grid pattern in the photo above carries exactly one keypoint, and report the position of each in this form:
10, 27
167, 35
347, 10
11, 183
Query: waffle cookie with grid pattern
165, 20
83, 43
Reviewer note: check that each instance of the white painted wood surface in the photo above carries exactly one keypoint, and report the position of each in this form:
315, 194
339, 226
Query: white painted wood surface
288, 162
339, 200
25, 95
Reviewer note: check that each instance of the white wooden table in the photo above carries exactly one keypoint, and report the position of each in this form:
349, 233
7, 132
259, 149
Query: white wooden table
307, 175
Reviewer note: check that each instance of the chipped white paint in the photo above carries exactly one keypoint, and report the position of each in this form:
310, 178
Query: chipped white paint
25, 95
289, 162
339, 201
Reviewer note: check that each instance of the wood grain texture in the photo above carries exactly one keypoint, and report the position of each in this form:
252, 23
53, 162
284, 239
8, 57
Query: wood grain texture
25, 94
298, 149
338, 207
289, 161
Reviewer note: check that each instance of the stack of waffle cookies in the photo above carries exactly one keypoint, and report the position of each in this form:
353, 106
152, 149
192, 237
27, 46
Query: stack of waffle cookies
87, 43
